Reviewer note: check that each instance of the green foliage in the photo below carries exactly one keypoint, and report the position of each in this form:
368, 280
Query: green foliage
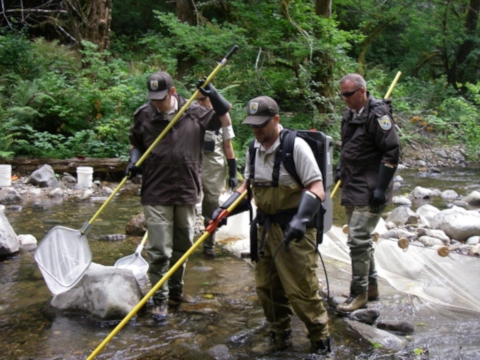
60, 102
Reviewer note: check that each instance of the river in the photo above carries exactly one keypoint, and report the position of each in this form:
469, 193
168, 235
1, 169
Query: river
227, 321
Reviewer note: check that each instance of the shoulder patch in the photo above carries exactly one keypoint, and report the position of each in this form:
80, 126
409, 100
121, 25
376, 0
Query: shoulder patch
385, 122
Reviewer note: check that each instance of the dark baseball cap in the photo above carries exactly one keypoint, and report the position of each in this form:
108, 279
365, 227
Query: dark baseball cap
158, 84
260, 109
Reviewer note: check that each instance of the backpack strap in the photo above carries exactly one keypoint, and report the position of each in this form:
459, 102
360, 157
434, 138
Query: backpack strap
288, 144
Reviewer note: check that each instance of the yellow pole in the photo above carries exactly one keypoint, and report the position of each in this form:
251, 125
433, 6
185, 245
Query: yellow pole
174, 268
387, 95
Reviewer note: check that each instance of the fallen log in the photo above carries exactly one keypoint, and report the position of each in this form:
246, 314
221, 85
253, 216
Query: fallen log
103, 168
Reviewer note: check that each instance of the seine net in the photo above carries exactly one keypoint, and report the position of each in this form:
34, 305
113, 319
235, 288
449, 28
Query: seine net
451, 281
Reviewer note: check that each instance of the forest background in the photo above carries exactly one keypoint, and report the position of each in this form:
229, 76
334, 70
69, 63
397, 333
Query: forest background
72, 72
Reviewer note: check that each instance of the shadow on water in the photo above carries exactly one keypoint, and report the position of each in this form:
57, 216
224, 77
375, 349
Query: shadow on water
226, 322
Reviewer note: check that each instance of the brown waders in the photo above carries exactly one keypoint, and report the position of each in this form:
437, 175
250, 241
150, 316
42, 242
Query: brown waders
291, 282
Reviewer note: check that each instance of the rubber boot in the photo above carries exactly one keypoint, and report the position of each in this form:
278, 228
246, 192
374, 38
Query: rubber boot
373, 293
354, 302
275, 342
321, 347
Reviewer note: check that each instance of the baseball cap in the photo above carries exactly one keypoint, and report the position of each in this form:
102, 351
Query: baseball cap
158, 84
260, 109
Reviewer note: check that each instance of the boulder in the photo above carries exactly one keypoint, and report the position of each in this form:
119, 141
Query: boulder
105, 292
8, 239
457, 223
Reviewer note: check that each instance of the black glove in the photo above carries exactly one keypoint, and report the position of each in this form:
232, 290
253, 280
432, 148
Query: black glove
241, 207
219, 103
232, 173
385, 175
131, 171
337, 172
307, 208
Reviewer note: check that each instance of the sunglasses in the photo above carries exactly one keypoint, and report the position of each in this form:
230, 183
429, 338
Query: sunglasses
347, 94
161, 99
261, 126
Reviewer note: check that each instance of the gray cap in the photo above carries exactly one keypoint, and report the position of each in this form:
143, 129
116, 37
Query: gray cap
260, 109
158, 85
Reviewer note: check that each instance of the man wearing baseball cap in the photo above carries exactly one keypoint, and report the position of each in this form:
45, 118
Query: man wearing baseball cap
171, 177
286, 281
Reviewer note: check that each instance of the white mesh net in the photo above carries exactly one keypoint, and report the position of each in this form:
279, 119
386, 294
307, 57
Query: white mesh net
450, 281
63, 256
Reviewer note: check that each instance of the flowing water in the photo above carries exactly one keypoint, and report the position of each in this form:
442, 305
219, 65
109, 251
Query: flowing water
227, 321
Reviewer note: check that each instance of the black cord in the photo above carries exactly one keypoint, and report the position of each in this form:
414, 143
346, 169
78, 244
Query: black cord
272, 264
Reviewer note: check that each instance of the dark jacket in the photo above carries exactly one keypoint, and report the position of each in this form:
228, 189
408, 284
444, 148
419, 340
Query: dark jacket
171, 172
367, 141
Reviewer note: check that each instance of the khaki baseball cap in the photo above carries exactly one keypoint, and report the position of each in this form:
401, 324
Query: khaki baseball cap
158, 85
259, 110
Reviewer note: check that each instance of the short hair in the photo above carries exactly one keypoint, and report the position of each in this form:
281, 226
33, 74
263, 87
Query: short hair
356, 79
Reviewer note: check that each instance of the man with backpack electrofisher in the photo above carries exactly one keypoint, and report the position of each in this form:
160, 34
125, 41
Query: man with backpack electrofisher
285, 221
369, 156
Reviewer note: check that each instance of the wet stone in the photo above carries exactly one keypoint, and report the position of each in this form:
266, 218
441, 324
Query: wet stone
114, 237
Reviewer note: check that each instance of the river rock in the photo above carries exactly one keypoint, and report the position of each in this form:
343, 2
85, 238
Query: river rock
401, 201
457, 223
44, 177
439, 234
401, 215
421, 193
8, 239
397, 234
449, 194
366, 316
106, 292
9, 195
428, 212
430, 241
397, 327
387, 340
474, 250
473, 240
473, 198
27, 241
136, 226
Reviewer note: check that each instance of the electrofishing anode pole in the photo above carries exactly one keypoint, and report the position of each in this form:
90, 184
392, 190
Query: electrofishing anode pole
209, 230
387, 95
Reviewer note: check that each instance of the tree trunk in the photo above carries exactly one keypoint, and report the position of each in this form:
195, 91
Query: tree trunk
186, 11
90, 20
113, 169
471, 21
323, 8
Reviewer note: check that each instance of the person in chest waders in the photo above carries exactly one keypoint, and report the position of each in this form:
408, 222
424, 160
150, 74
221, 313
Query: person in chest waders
171, 177
285, 212
369, 156
217, 146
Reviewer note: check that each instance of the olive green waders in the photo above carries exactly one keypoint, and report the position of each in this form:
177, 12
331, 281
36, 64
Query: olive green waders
361, 224
170, 235
213, 182
291, 283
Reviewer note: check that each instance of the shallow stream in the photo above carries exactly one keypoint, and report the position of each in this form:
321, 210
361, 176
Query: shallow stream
227, 321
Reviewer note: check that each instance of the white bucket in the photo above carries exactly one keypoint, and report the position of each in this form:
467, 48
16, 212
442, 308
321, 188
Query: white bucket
84, 176
5, 175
